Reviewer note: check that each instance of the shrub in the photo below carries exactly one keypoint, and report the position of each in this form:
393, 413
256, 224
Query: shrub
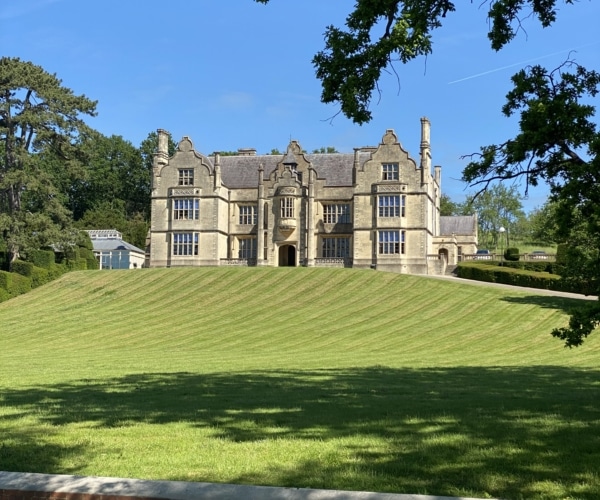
511, 254
561, 254
77, 264
85, 241
41, 258
5, 280
88, 256
511, 276
21, 267
39, 277
19, 284
57, 270
4, 262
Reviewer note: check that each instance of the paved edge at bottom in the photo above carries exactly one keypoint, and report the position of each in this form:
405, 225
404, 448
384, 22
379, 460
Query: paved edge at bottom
180, 490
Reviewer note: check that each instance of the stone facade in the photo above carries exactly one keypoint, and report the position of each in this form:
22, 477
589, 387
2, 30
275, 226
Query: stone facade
376, 208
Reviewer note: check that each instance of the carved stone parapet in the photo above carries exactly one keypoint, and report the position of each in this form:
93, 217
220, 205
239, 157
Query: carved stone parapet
389, 188
186, 191
287, 191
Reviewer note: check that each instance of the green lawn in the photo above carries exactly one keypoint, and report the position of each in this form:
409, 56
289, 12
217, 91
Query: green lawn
344, 379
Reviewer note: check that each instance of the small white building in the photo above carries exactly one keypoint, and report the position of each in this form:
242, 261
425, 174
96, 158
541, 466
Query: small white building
113, 252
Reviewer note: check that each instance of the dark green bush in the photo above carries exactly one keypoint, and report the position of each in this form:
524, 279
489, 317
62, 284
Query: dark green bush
71, 253
561, 254
39, 277
77, 265
4, 261
5, 280
21, 267
4, 295
19, 284
85, 241
57, 270
511, 254
41, 258
511, 276
88, 255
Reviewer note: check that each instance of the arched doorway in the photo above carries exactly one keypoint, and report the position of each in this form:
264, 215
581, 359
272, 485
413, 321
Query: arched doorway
443, 254
287, 256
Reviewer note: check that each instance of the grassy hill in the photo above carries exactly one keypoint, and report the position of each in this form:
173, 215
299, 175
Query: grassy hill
302, 377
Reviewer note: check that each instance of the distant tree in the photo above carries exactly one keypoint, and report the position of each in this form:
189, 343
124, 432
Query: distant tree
37, 114
114, 173
449, 207
275, 151
112, 215
543, 225
227, 153
325, 150
496, 207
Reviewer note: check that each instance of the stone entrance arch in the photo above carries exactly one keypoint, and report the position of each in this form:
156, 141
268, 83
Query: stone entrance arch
443, 254
287, 256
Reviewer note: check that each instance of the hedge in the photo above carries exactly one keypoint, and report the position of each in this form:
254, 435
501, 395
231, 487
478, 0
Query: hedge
39, 277
88, 256
19, 284
5, 280
41, 258
510, 276
21, 267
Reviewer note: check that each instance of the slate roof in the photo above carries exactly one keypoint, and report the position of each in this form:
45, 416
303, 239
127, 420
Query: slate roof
458, 224
108, 244
242, 171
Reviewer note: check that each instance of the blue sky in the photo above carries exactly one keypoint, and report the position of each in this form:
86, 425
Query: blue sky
234, 74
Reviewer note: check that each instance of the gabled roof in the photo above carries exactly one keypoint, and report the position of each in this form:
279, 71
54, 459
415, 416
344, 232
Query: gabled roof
108, 244
242, 171
458, 224
110, 239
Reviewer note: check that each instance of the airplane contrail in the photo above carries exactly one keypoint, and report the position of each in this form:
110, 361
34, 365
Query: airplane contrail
519, 63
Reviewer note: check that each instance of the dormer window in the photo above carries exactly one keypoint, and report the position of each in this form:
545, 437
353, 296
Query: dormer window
390, 171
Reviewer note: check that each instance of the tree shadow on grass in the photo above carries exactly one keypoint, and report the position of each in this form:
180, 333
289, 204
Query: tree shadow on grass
453, 431
27, 450
564, 304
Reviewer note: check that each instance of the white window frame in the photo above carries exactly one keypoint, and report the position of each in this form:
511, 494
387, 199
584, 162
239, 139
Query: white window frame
336, 213
248, 215
185, 244
335, 247
185, 177
287, 208
247, 248
392, 242
390, 171
186, 209
389, 205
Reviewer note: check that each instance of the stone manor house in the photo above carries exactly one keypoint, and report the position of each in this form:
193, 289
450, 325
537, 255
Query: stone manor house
375, 208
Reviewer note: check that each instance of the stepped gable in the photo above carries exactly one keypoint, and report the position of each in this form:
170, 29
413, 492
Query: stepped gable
239, 172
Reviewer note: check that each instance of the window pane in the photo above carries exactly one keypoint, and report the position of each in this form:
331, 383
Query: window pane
186, 176
336, 247
390, 171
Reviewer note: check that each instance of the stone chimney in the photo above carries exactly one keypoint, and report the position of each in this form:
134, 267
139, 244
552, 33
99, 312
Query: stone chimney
425, 150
